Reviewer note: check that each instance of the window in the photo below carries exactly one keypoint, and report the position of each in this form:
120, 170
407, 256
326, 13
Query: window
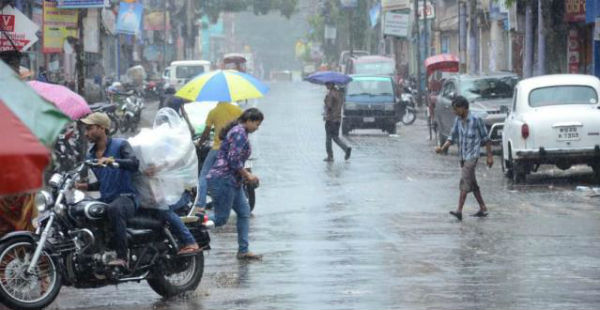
487, 88
562, 95
371, 87
188, 72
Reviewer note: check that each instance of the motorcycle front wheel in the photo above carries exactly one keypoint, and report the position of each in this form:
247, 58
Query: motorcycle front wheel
20, 289
181, 274
409, 117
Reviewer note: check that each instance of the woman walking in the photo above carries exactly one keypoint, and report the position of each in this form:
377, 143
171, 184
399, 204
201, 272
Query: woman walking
226, 176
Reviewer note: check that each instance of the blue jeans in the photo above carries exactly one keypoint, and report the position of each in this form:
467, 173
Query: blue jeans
210, 159
227, 196
177, 226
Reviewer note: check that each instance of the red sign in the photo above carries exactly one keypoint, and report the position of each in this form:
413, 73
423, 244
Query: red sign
7, 23
575, 10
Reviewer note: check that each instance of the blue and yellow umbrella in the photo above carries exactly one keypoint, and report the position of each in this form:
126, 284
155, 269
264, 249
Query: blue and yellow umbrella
223, 85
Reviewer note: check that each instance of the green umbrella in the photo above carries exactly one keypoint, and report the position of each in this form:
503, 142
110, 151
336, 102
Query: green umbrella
41, 117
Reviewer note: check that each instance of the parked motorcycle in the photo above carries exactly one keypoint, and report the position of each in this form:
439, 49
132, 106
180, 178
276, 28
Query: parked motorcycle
68, 149
69, 247
408, 107
129, 103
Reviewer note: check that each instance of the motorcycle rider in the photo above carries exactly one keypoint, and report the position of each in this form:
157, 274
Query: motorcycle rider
115, 185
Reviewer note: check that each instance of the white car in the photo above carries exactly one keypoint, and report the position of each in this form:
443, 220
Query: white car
555, 120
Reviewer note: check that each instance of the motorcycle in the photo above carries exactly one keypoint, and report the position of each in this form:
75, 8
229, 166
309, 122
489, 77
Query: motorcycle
68, 148
129, 105
407, 105
69, 247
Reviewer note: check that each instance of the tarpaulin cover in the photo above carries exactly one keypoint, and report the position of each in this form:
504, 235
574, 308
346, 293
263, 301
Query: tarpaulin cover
442, 62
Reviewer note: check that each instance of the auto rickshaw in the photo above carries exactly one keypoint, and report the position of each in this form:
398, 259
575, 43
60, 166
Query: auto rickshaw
437, 67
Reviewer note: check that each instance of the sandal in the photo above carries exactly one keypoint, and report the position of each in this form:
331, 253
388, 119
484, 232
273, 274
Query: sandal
480, 214
189, 249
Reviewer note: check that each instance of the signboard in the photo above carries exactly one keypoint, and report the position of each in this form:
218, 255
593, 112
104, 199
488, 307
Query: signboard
80, 4
396, 24
129, 20
58, 25
389, 5
429, 11
575, 11
155, 21
18, 28
573, 51
330, 32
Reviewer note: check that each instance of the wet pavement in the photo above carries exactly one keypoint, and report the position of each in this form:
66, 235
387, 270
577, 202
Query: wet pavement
374, 232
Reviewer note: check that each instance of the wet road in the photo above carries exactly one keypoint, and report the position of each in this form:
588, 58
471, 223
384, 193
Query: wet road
374, 232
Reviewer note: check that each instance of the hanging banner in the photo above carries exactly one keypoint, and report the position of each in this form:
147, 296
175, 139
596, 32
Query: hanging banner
58, 25
20, 29
374, 13
129, 20
80, 4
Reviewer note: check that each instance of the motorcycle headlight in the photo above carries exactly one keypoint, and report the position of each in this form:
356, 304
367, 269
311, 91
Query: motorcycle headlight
56, 180
43, 200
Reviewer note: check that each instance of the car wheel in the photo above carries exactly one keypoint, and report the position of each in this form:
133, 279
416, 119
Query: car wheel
506, 163
517, 170
392, 129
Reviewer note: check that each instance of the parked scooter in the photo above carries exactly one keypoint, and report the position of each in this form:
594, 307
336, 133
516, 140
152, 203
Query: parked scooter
408, 106
69, 247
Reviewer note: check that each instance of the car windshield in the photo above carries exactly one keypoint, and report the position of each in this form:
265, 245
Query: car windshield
188, 72
371, 87
562, 95
488, 88
375, 68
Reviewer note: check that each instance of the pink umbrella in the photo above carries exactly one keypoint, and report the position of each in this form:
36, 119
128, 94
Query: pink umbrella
68, 101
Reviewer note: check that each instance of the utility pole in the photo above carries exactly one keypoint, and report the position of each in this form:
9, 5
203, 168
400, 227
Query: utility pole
350, 17
418, 51
462, 33
426, 29
164, 58
78, 44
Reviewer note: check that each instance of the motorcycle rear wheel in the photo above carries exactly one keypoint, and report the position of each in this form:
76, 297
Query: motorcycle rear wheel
19, 290
174, 284
409, 117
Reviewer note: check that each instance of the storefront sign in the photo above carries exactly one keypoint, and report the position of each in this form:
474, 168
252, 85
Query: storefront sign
573, 51
575, 10
396, 24
80, 4
16, 26
58, 25
129, 20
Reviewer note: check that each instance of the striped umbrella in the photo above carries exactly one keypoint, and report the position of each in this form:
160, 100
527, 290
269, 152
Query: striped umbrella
28, 130
223, 85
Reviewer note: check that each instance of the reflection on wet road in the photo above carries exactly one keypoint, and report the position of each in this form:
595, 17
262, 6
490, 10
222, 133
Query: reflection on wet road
374, 232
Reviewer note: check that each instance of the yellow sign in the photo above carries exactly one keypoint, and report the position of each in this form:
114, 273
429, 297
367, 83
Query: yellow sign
58, 25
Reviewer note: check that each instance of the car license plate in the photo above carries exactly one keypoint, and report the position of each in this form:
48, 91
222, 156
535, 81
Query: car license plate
568, 133
368, 119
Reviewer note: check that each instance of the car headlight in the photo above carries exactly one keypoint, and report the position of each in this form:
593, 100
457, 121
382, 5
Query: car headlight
351, 106
43, 200
388, 107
